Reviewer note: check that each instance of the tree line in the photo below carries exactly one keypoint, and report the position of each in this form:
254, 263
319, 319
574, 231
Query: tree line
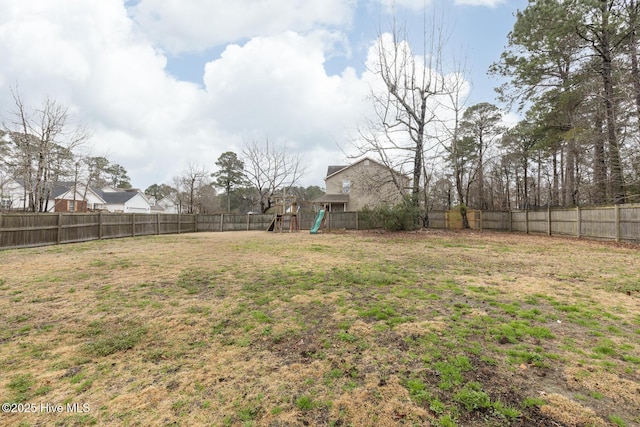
570, 69
249, 182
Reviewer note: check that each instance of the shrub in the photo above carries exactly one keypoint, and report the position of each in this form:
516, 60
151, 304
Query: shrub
401, 217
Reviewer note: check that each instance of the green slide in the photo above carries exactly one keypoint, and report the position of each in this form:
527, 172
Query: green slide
318, 222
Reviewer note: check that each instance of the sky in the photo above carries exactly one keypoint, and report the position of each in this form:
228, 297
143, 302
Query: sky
161, 84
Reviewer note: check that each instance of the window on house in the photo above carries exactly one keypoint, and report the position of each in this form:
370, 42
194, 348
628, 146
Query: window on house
71, 206
346, 186
366, 162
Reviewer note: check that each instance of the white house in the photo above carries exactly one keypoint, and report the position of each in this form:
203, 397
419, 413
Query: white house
169, 204
68, 197
130, 200
12, 194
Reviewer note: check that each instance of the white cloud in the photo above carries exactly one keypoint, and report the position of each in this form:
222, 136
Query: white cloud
86, 55
199, 24
408, 4
420, 4
278, 86
89, 56
486, 3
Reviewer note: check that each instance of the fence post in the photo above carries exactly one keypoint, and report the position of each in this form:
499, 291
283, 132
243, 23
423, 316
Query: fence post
578, 222
59, 237
357, 224
248, 221
179, 226
526, 221
222, 222
510, 220
195, 223
617, 209
133, 225
480, 221
100, 226
549, 220
158, 223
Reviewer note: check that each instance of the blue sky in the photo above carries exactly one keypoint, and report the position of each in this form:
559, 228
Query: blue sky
161, 83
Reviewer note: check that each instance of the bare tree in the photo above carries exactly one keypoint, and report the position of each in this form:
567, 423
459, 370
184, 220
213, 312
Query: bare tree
270, 168
190, 187
40, 148
403, 105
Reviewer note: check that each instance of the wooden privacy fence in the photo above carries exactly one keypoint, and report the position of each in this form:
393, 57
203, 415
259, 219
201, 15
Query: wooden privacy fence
618, 223
26, 230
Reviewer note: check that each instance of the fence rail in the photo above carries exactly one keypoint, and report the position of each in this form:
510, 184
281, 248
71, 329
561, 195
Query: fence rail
618, 223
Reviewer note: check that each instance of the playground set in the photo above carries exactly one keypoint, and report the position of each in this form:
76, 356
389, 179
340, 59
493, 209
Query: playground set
287, 208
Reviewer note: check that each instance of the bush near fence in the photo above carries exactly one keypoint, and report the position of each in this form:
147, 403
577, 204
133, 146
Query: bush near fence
619, 223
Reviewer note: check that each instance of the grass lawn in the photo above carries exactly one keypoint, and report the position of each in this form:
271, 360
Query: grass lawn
353, 329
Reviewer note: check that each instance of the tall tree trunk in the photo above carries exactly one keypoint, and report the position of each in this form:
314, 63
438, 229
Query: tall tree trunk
555, 184
481, 198
599, 163
539, 180
570, 178
633, 53
615, 162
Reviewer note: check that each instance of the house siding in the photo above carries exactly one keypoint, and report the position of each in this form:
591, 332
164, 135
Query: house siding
13, 195
370, 184
63, 205
137, 204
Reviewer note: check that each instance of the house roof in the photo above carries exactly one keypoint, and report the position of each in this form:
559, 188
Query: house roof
60, 188
111, 196
332, 198
333, 170
117, 197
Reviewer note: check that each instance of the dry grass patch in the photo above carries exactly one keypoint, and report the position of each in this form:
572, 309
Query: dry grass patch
254, 328
570, 413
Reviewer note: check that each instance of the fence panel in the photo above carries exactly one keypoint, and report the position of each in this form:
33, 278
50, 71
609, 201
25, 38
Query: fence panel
169, 223
598, 223
79, 227
437, 219
342, 220
117, 225
234, 222
23, 230
146, 225
564, 222
537, 221
494, 220
519, 221
629, 224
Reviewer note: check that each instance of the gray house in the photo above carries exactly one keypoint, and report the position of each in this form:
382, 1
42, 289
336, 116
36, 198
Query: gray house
363, 183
